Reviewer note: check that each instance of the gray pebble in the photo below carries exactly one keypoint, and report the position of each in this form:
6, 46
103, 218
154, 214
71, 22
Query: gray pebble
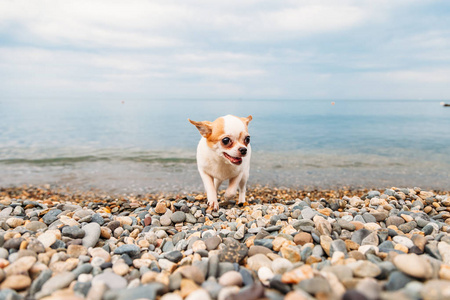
129, 249
92, 234
178, 217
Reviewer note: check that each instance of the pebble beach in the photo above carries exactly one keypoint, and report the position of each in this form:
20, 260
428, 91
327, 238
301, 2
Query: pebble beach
392, 243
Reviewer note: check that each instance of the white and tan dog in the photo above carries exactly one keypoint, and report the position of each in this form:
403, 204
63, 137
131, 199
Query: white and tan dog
223, 153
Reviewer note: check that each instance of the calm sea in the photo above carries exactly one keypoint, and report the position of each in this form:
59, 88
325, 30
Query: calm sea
147, 146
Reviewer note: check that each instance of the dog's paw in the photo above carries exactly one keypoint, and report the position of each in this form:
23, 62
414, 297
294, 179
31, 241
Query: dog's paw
229, 195
213, 205
243, 204
242, 201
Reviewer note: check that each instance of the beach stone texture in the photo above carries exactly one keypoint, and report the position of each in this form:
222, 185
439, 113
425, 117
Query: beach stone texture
392, 243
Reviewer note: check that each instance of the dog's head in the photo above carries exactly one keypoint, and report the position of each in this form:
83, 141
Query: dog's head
227, 136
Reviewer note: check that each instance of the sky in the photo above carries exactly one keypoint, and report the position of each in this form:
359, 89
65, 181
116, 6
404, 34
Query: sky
234, 49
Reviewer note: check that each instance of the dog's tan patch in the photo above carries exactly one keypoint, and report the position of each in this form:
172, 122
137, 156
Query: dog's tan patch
217, 132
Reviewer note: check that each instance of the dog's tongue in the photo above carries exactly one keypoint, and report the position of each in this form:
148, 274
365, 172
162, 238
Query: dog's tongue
234, 160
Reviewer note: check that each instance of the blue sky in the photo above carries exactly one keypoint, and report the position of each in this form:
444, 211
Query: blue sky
225, 49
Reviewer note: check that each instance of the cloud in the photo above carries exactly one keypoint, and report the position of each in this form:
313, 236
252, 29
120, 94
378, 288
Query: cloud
250, 49
144, 24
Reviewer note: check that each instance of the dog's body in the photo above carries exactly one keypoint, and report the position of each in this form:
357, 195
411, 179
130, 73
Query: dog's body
223, 153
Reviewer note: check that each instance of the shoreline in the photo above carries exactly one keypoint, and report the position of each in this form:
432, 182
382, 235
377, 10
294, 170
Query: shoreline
256, 194
285, 244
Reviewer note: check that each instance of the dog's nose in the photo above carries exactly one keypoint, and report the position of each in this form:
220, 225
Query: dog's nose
243, 150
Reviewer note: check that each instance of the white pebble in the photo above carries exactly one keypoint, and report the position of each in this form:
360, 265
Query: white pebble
265, 274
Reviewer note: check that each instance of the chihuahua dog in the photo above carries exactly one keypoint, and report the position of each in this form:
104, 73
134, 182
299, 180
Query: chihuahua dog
223, 153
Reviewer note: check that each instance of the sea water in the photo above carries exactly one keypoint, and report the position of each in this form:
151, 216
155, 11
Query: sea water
137, 146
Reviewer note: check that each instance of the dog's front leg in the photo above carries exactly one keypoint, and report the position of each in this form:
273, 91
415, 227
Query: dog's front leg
242, 189
232, 187
217, 184
211, 192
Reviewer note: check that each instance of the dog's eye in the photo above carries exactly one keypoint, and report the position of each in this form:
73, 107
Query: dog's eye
226, 140
247, 140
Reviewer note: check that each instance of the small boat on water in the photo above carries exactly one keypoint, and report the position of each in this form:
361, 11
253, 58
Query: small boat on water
445, 104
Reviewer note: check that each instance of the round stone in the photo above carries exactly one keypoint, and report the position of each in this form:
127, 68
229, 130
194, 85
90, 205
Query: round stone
364, 268
212, 242
92, 234
121, 268
100, 252
198, 245
20, 266
257, 261
233, 251
76, 250
112, 280
231, 278
51, 216
258, 250
165, 220
403, 240
160, 208
414, 265
394, 220
196, 295
14, 222
302, 238
174, 256
298, 274
35, 226
315, 286
129, 249
47, 239
407, 227
178, 217
16, 282
281, 265
436, 289
73, 232
193, 273
265, 275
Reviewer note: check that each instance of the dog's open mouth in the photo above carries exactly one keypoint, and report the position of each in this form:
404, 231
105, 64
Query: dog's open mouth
233, 160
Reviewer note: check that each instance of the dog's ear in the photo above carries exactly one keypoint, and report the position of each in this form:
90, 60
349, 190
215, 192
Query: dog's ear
204, 127
247, 120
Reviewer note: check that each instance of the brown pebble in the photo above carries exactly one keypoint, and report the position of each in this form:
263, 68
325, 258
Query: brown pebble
258, 250
279, 242
358, 225
3, 263
291, 253
302, 238
20, 266
298, 274
76, 250
23, 245
16, 282
187, 287
148, 277
356, 255
105, 232
444, 272
296, 295
401, 247
193, 273
351, 245
160, 208
420, 241
313, 259
147, 221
